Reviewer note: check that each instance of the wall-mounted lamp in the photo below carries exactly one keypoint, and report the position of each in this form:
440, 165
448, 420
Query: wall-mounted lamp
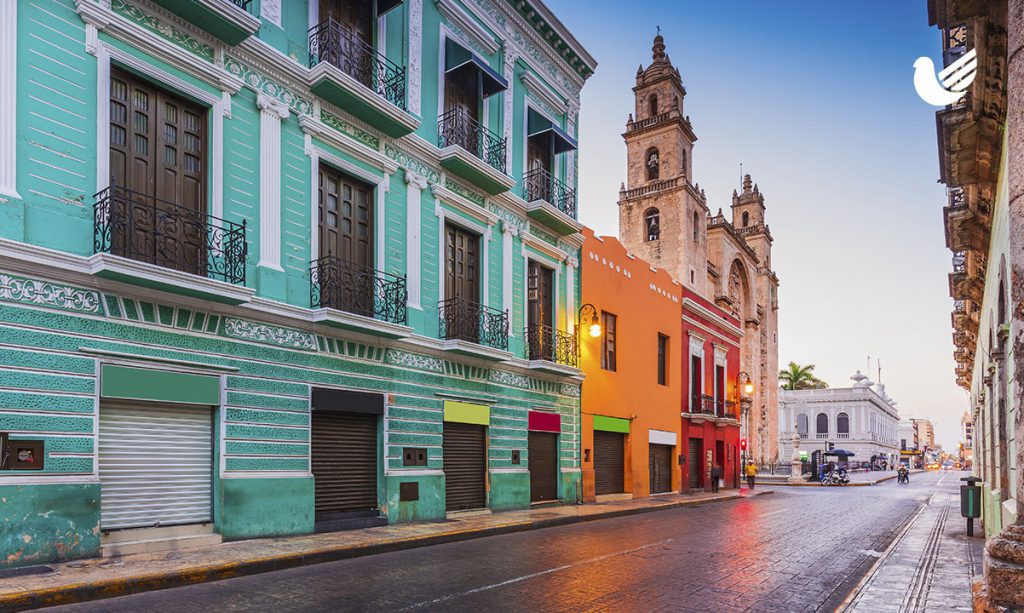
595, 325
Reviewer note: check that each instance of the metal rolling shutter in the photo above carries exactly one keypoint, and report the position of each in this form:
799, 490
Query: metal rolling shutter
543, 464
609, 462
661, 468
694, 462
465, 466
155, 465
344, 462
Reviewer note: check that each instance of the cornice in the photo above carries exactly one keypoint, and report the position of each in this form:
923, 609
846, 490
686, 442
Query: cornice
454, 13
463, 204
314, 127
539, 89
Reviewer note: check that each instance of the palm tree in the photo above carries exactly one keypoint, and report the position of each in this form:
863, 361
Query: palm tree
796, 377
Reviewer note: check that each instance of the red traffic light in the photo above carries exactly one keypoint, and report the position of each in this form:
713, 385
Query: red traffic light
743, 444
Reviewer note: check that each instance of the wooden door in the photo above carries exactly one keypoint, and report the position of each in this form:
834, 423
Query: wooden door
540, 309
539, 153
350, 46
462, 97
345, 230
158, 152
461, 284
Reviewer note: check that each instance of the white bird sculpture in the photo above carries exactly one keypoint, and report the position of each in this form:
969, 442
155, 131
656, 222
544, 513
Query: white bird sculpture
955, 79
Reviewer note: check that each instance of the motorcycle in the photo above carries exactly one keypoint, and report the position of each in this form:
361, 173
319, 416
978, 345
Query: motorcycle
836, 477
903, 476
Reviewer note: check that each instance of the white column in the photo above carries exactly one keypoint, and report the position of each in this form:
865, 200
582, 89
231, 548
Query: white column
415, 184
510, 69
8, 99
271, 113
508, 231
415, 73
571, 264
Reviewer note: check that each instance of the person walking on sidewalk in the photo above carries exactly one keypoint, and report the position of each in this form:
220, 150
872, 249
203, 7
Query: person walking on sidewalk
751, 472
716, 475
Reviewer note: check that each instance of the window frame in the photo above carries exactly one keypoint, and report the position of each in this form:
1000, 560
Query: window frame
663, 358
609, 341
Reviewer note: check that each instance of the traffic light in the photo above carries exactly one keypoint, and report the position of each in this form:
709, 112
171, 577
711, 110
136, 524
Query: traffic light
743, 444
831, 446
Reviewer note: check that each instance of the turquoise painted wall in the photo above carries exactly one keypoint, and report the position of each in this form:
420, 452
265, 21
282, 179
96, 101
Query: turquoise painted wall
254, 508
48, 523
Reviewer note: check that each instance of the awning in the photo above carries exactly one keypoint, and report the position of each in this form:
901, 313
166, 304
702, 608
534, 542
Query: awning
538, 124
458, 58
383, 6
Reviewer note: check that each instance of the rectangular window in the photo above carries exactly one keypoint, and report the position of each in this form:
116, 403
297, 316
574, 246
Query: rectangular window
720, 390
695, 383
608, 341
662, 359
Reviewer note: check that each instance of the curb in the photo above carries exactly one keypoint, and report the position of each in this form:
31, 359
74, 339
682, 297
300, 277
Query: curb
124, 586
816, 484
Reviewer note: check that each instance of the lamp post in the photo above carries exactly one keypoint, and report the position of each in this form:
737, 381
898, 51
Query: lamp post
744, 390
594, 330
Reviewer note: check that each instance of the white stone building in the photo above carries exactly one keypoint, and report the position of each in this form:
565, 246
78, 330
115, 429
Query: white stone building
862, 419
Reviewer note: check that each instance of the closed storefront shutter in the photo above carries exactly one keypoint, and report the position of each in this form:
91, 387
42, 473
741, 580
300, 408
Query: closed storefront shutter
661, 468
609, 462
543, 463
344, 463
465, 466
155, 465
693, 462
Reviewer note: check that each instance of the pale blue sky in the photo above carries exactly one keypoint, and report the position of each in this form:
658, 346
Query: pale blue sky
816, 100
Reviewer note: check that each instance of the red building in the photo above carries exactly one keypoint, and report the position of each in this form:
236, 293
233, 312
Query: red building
713, 387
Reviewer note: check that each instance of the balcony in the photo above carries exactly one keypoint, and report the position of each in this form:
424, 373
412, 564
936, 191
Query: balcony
143, 240
351, 74
359, 298
701, 406
967, 220
966, 282
550, 201
470, 328
551, 350
228, 20
821, 436
842, 435
471, 151
965, 316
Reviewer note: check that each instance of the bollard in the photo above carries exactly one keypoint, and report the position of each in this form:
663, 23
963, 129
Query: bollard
970, 501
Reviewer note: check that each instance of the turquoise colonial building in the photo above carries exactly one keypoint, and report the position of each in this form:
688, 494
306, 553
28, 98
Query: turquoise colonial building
270, 268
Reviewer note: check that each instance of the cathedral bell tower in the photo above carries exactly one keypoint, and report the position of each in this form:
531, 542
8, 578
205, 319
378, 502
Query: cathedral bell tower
662, 215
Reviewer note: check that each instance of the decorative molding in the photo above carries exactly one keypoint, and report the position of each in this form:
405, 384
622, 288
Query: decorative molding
415, 184
347, 144
510, 72
540, 92
509, 218
415, 73
263, 84
349, 129
508, 378
271, 11
396, 357
269, 334
405, 159
8, 100
470, 29
463, 205
272, 112
464, 191
168, 31
569, 390
45, 293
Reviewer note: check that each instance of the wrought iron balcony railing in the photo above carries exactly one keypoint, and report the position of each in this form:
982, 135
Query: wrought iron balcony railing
337, 284
337, 45
457, 127
141, 227
546, 343
466, 320
539, 184
242, 4
702, 404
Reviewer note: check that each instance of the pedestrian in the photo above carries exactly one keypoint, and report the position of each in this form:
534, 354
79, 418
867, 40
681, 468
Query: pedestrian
716, 475
751, 473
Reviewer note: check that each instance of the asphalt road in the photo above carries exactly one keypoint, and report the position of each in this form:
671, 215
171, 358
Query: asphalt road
800, 549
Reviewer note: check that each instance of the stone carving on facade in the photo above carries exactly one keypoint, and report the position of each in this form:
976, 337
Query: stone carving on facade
44, 293
269, 334
414, 360
508, 378
415, 54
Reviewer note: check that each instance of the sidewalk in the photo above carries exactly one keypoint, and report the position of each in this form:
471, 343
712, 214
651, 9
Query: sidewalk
930, 566
96, 578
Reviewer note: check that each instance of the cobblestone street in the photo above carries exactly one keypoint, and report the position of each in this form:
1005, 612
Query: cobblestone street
800, 549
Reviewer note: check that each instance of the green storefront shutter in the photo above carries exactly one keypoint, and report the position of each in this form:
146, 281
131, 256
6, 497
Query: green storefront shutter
159, 385
611, 424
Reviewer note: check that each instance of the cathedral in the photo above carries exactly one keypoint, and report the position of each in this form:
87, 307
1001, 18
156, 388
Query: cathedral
664, 219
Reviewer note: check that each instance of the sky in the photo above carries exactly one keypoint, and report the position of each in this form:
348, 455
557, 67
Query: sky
816, 100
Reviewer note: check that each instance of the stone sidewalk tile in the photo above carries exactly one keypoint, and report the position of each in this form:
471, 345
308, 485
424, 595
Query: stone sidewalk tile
930, 566
107, 577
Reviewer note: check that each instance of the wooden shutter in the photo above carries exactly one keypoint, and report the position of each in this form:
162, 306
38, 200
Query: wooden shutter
543, 464
345, 217
609, 462
465, 466
344, 463
461, 265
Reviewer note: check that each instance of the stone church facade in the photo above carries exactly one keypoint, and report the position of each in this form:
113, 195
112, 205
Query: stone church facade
664, 219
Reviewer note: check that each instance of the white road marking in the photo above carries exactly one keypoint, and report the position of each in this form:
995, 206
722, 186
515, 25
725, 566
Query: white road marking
427, 603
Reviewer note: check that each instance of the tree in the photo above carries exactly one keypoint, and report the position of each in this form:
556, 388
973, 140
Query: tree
796, 377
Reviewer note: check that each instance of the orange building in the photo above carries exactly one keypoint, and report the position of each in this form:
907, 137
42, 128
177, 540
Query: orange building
633, 391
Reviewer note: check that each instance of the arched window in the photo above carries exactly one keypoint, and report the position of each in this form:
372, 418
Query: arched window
653, 163
653, 104
1001, 307
801, 425
696, 227
652, 224
822, 424
843, 423
746, 219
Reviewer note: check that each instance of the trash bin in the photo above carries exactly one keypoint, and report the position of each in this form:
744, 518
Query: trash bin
970, 501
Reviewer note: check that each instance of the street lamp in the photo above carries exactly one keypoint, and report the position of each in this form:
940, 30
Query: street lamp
745, 391
595, 325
